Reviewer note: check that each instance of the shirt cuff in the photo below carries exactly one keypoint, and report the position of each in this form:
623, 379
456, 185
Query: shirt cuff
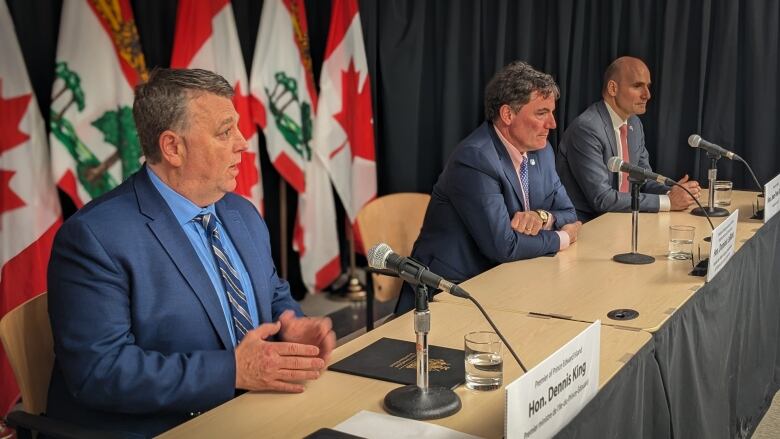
564, 240
550, 223
664, 205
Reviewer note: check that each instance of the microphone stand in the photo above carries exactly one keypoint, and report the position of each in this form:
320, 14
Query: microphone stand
421, 401
712, 175
634, 258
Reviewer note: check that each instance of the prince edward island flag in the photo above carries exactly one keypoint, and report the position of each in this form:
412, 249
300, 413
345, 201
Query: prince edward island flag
94, 142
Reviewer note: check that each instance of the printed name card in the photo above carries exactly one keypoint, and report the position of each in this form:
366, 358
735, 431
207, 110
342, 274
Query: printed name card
771, 198
724, 237
541, 402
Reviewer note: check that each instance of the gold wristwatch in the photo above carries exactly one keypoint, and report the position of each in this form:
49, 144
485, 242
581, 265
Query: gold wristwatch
544, 215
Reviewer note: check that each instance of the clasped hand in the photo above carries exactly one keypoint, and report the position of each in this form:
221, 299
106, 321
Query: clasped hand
678, 198
527, 223
302, 355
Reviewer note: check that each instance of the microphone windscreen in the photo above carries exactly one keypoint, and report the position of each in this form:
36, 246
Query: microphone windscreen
377, 255
614, 164
694, 140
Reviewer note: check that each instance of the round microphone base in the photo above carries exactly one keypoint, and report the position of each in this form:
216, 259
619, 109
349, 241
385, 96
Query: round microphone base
711, 211
415, 403
633, 258
701, 268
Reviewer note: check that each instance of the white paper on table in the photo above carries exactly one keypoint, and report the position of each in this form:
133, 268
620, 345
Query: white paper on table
381, 426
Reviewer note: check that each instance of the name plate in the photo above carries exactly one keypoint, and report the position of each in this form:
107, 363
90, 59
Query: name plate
722, 249
771, 198
541, 402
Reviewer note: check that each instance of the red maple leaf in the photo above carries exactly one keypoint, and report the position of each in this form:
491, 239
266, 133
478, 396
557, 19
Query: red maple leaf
356, 115
11, 112
8, 198
248, 176
242, 104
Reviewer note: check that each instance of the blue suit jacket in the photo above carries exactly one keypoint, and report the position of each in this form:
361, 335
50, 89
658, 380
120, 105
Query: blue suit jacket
582, 157
140, 338
467, 226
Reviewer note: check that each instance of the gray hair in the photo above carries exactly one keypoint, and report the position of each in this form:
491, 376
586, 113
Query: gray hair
513, 86
161, 103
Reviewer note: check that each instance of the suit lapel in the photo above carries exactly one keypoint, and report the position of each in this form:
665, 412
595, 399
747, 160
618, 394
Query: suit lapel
609, 130
609, 133
506, 163
633, 142
250, 256
168, 232
535, 184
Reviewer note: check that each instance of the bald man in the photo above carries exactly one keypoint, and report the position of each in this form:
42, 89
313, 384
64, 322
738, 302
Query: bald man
611, 128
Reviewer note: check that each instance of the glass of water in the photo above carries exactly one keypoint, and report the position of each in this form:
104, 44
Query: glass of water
723, 192
484, 365
681, 242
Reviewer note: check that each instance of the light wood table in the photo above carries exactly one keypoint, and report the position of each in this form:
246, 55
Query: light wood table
584, 283
335, 396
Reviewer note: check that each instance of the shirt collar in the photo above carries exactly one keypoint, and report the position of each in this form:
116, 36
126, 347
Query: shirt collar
183, 209
616, 120
516, 156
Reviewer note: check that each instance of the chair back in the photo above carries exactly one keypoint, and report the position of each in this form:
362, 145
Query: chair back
26, 335
394, 219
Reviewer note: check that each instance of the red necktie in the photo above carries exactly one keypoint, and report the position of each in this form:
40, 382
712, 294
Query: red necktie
624, 149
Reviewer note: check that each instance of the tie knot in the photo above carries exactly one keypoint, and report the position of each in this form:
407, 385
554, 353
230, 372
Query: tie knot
207, 221
623, 129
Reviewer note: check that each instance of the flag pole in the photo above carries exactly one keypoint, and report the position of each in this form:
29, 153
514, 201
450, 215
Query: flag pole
283, 227
355, 290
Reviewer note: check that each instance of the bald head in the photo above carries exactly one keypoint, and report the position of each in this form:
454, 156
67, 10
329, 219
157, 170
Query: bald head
622, 67
627, 86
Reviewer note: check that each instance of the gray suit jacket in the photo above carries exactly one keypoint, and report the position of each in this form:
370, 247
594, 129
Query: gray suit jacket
582, 158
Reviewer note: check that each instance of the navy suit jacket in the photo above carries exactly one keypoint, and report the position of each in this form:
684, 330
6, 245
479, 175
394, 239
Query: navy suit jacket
140, 338
582, 157
467, 226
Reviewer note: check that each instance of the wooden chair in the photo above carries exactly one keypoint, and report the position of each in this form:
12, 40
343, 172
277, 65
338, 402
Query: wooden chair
27, 339
396, 220
26, 336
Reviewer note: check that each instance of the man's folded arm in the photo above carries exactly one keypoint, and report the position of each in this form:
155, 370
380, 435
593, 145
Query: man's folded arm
476, 194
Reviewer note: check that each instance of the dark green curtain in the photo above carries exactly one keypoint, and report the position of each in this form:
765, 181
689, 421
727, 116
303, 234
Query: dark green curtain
714, 66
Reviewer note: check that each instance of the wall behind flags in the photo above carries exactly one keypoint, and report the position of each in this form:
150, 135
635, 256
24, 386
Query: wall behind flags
714, 66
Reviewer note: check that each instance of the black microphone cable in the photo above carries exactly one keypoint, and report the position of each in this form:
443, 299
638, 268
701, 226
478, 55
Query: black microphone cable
495, 328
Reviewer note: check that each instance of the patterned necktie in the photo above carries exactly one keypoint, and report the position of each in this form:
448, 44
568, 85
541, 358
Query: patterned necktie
524, 182
624, 150
235, 294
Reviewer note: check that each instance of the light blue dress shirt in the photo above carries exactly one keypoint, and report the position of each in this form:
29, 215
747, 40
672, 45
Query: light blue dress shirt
185, 212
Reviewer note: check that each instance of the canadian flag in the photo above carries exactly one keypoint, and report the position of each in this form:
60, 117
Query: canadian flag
344, 129
285, 105
29, 207
94, 143
206, 38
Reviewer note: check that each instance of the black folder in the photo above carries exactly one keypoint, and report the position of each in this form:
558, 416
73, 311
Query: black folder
388, 359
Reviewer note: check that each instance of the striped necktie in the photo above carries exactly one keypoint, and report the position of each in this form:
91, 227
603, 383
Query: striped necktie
524, 182
242, 323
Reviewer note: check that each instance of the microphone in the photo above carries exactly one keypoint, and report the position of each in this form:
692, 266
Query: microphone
696, 141
382, 257
616, 165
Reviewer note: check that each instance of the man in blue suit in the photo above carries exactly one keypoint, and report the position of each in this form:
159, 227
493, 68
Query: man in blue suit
611, 128
499, 198
163, 297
